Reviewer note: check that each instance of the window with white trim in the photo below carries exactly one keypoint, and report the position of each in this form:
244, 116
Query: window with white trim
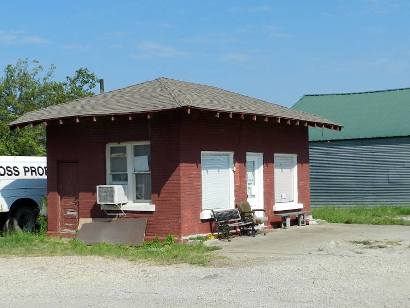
285, 178
217, 180
129, 164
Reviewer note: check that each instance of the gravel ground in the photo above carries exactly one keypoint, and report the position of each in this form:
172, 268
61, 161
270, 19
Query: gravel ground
314, 266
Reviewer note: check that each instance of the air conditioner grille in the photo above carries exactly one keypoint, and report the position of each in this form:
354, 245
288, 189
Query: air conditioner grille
106, 194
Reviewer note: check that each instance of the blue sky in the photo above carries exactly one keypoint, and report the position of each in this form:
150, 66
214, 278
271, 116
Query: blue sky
274, 50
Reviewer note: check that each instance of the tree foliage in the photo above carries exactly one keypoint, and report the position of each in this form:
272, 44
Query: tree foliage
27, 86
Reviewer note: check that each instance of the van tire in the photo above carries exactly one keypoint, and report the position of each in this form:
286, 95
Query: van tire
22, 218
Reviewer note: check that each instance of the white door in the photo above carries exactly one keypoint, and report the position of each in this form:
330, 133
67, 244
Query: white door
217, 180
254, 178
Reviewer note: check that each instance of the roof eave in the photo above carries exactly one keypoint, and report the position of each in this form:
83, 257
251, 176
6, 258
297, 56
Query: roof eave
267, 117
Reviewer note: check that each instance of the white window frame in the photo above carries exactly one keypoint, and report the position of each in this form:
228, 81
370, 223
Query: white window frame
132, 205
284, 206
206, 213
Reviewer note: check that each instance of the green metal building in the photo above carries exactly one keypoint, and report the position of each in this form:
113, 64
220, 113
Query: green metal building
368, 162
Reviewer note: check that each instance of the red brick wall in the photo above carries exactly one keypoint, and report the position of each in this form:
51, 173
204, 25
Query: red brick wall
85, 142
202, 131
177, 140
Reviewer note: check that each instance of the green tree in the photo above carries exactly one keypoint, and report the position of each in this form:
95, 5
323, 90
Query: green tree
27, 86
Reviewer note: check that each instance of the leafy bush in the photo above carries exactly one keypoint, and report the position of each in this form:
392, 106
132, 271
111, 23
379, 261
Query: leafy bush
42, 224
169, 240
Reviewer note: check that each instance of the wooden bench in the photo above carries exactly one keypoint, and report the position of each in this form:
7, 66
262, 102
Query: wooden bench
301, 216
230, 220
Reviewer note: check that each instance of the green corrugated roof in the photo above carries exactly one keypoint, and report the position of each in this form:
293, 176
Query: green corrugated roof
363, 115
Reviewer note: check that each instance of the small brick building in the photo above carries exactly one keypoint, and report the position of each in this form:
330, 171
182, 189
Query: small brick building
179, 149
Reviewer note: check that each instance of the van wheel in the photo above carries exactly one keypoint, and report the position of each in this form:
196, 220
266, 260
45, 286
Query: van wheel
22, 219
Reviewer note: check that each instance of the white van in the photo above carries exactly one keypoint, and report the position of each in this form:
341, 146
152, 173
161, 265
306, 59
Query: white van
23, 187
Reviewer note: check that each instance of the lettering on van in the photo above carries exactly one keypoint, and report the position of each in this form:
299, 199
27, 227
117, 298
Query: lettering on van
31, 171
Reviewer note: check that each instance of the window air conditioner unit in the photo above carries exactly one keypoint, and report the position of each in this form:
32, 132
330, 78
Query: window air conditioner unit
111, 194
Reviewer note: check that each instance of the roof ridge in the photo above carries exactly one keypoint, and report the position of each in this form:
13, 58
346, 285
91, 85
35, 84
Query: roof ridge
79, 99
360, 92
180, 91
228, 91
164, 84
285, 109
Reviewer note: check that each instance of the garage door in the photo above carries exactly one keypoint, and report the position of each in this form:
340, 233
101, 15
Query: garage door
216, 180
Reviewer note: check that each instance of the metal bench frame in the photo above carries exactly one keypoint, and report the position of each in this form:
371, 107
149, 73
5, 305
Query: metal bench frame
249, 215
228, 220
301, 216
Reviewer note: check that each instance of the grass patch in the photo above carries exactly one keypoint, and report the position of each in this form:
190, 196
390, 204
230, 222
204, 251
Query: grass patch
162, 252
202, 238
383, 215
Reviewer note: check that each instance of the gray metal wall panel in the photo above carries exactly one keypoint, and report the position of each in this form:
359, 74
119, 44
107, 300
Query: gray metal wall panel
360, 172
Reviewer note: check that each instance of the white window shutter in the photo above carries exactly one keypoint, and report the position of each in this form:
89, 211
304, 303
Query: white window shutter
284, 179
215, 181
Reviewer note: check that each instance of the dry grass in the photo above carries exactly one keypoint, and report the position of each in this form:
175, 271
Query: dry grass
374, 244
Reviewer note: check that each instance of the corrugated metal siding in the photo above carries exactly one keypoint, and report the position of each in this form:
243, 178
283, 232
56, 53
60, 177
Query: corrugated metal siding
361, 171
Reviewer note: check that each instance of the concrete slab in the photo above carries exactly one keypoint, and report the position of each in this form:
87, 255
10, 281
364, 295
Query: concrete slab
307, 239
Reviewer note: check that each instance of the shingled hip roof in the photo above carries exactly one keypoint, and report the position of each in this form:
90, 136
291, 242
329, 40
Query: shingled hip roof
167, 94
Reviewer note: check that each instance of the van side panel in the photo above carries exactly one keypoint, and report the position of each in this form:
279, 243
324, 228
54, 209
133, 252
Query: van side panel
22, 177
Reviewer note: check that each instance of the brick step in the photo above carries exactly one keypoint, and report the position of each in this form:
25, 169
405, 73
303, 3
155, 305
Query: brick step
67, 231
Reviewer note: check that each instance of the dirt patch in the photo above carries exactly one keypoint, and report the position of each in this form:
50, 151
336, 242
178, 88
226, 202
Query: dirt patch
376, 244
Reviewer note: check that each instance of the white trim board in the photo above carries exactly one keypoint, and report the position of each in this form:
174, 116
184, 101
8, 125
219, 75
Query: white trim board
286, 206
